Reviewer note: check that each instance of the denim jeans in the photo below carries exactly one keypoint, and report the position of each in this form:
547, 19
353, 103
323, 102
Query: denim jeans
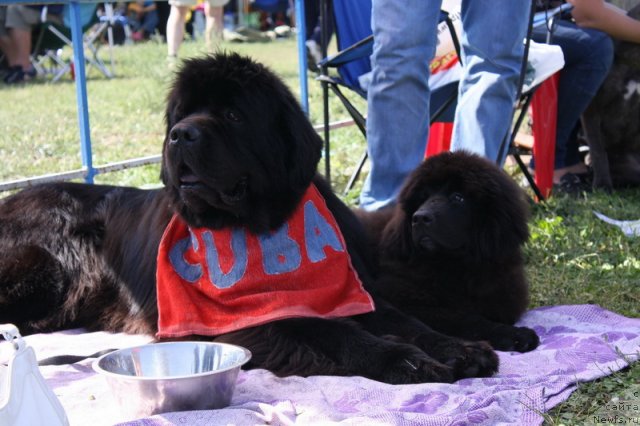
398, 97
588, 55
150, 22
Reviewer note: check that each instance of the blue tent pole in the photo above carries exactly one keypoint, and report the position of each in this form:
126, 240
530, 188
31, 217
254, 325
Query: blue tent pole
81, 90
302, 55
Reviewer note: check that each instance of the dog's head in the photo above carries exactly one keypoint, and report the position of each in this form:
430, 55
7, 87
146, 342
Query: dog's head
458, 204
238, 149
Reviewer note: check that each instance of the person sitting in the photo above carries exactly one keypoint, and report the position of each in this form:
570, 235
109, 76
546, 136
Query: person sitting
143, 18
585, 40
20, 21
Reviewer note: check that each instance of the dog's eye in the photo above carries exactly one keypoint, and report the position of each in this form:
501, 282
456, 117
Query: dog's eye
456, 197
231, 116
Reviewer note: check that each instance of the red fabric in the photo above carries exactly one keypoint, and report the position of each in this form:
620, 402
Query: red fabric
439, 138
211, 282
544, 114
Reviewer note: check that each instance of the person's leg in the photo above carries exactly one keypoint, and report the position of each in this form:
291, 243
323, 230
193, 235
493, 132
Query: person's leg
5, 42
588, 55
311, 17
150, 22
316, 32
21, 41
175, 28
492, 52
19, 22
398, 97
214, 15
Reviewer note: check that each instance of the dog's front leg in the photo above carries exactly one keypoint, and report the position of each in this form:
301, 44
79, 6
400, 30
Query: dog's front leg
312, 346
466, 358
591, 124
473, 326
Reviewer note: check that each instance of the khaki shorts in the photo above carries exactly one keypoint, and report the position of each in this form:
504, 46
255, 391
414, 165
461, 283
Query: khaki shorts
26, 18
212, 3
22, 17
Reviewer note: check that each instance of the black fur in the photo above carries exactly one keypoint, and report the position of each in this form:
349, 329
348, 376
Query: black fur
450, 250
238, 151
611, 123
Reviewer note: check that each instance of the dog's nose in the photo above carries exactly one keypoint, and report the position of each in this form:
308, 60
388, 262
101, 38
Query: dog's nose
181, 133
422, 218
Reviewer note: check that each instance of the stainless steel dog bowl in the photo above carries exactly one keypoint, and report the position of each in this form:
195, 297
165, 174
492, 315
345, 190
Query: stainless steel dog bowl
173, 376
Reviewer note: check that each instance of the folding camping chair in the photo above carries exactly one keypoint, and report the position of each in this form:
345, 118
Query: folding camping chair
50, 37
352, 62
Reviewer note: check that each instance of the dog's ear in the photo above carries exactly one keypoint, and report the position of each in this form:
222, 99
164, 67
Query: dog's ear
395, 241
505, 223
304, 144
168, 124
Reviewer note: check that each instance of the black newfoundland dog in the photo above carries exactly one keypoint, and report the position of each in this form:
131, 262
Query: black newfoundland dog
245, 244
611, 123
450, 250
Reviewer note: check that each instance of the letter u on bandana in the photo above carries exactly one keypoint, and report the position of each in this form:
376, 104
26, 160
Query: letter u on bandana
212, 282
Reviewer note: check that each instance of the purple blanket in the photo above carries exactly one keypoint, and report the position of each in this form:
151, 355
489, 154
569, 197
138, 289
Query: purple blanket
578, 344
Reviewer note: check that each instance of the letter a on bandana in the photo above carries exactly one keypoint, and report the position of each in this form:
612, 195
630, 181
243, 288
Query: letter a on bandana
211, 282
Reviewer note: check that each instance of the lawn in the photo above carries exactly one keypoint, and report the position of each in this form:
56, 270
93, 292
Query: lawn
572, 257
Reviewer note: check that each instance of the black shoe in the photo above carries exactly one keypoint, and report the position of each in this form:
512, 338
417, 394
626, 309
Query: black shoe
574, 184
17, 75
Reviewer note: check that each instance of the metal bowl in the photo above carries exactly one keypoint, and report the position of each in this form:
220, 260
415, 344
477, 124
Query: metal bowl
173, 376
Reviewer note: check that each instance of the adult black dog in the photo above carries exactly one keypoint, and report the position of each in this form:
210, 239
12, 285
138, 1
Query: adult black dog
450, 250
244, 244
611, 123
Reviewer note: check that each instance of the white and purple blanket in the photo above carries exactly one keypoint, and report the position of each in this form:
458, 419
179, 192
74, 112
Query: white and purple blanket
578, 344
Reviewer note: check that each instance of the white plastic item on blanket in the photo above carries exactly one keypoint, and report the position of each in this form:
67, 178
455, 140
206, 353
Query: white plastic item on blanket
25, 398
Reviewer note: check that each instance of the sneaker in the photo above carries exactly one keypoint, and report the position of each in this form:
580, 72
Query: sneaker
17, 75
314, 55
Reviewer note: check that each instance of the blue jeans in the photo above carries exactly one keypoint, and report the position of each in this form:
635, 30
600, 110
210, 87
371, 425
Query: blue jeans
588, 55
150, 22
398, 97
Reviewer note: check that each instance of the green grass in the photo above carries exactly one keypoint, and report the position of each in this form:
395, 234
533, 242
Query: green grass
572, 257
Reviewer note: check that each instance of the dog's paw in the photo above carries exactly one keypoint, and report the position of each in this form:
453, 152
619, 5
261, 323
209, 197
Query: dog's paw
519, 339
407, 364
466, 358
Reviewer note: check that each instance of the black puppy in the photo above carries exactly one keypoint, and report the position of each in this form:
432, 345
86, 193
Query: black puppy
245, 244
450, 250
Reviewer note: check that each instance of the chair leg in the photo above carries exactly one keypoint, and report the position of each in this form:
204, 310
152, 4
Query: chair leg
360, 121
90, 45
513, 151
527, 175
356, 174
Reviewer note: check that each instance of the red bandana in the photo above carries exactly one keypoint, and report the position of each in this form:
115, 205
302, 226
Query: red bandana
212, 282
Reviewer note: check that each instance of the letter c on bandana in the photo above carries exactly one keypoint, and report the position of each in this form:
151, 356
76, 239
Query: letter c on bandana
239, 249
185, 270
